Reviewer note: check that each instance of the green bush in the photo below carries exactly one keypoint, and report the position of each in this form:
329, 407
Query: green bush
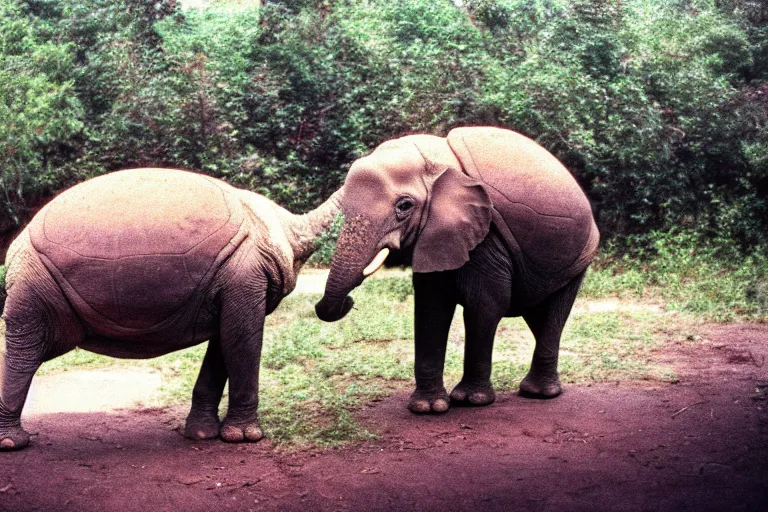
41, 117
659, 108
688, 272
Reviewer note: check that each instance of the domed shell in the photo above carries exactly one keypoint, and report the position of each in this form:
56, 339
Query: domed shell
539, 200
130, 248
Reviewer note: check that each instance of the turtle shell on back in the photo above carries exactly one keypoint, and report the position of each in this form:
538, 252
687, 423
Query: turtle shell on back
540, 201
130, 248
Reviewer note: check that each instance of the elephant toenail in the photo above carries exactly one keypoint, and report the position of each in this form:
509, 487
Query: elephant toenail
253, 433
419, 406
459, 395
232, 434
478, 398
440, 405
7, 443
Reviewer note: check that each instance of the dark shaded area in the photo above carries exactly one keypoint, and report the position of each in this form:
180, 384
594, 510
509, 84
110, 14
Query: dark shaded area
698, 445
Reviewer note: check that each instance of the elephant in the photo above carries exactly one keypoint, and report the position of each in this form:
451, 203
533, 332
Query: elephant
142, 262
488, 219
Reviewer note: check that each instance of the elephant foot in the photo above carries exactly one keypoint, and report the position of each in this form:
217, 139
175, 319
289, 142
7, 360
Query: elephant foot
423, 402
14, 438
473, 395
201, 427
540, 387
239, 433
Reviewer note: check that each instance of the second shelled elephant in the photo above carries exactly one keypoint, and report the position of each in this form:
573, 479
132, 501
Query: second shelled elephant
142, 262
489, 220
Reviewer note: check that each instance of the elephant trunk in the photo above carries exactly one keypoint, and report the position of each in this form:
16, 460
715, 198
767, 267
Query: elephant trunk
355, 249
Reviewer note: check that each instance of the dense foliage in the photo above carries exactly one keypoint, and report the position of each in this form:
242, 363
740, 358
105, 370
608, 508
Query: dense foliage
659, 107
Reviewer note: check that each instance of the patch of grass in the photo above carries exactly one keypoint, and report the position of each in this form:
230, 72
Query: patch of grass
612, 280
316, 374
2, 276
595, 347
614, 345
78, 359
687, 273
298, 345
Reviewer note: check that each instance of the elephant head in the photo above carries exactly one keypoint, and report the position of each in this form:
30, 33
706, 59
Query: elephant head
410, 196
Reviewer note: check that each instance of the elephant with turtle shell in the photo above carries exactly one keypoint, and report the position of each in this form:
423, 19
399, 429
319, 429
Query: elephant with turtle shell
142, 262
489, 220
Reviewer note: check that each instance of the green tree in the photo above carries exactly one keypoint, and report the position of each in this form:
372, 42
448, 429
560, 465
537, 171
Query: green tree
41, 116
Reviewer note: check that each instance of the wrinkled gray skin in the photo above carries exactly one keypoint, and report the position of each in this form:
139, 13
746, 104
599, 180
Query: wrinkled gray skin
249, 284
413, 196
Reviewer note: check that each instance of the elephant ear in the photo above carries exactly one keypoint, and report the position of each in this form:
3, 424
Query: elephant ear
458, 219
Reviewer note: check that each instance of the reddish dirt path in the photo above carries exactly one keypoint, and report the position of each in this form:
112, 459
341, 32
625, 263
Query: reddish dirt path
700, 444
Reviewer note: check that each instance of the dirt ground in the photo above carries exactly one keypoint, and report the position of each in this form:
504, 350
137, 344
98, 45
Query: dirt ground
699, 444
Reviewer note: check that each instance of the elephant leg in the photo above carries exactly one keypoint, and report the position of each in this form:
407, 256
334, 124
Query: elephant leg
485, 284
34, 333
475, 387
435, 303
242, 330
546, 321
203, 419
14, 386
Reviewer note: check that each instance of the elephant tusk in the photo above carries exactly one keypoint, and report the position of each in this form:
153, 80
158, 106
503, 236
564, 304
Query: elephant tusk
377, 262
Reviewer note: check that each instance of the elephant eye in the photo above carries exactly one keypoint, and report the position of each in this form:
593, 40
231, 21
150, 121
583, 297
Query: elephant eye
403, 206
